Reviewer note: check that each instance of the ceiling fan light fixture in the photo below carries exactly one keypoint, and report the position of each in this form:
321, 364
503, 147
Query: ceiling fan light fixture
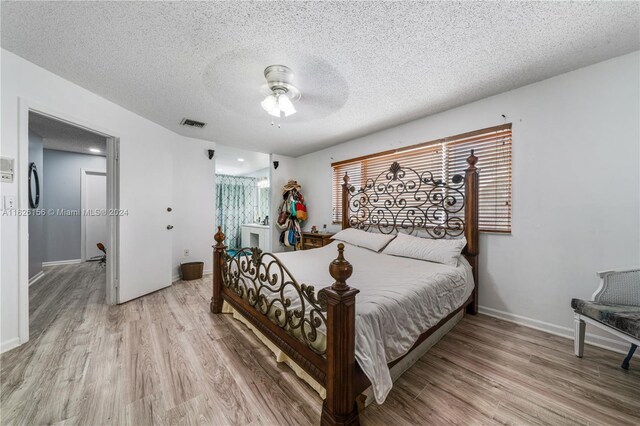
281, 91
285, 104
269, 103
275, 111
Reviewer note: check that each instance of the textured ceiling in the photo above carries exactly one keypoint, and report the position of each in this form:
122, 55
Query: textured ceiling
65, 137
361, 66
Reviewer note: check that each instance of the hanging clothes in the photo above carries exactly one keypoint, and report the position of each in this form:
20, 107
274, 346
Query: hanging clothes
292, 212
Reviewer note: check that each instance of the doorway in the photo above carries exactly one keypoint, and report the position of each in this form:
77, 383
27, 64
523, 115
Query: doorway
243, 198
69, 188
94, 226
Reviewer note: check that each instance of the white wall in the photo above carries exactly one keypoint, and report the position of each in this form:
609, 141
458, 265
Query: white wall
141, 144
576, 187
194, 189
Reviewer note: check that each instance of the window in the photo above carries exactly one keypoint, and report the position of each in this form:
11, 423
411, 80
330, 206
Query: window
444, 158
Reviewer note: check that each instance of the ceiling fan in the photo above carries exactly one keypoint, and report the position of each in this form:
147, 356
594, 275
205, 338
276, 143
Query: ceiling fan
280, 91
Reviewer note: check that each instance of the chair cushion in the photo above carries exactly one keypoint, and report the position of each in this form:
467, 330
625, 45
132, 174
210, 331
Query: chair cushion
623, 318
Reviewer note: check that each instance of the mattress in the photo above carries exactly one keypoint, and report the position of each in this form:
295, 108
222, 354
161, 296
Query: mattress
399, 299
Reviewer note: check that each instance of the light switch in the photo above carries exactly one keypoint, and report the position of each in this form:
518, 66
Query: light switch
6, 169
9, 202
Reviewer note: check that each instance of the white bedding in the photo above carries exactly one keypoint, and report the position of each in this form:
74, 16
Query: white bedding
399, 299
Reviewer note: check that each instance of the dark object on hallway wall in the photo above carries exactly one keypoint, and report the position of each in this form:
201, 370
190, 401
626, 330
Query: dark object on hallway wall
276, 164
211, 153
191, 270
36, 247
34, 199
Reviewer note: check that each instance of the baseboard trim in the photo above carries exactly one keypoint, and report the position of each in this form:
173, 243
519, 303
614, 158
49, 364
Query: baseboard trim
9, 344
61, 262
557, 330
204, 274
36, 277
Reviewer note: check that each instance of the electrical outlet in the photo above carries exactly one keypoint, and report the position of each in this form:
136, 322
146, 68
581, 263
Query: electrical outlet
186, 252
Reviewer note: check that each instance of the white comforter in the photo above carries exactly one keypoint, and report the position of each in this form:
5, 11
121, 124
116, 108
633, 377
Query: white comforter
399, 299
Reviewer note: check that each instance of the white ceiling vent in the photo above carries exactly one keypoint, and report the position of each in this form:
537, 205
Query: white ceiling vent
192, 123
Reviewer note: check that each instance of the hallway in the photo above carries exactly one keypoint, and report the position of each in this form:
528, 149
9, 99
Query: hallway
63, 293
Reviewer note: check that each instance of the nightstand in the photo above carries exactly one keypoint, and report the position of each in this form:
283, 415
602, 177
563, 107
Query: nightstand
312, 240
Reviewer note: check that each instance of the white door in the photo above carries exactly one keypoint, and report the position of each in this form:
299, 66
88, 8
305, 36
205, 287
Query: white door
146, 220
94, 203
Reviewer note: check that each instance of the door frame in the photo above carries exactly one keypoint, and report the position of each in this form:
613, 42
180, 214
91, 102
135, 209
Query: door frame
83, 207
113, 202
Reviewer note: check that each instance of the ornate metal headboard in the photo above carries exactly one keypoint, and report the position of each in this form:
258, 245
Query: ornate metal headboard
401, 199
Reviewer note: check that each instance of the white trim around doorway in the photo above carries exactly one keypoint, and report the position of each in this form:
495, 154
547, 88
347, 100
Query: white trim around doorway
113, 202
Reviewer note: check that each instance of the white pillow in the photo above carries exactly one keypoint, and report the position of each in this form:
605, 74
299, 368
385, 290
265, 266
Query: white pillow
368, 240
439, 251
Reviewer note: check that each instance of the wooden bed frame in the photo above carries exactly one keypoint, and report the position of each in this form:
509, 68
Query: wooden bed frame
399, 199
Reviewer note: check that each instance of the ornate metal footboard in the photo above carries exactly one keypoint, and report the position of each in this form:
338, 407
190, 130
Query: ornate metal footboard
316, 329
269, 287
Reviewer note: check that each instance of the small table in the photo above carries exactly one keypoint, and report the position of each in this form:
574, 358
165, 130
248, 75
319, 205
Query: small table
311, 240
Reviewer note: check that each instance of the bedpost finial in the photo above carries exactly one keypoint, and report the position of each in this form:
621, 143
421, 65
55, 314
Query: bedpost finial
219, 236
340, 269
471, 161
345, 179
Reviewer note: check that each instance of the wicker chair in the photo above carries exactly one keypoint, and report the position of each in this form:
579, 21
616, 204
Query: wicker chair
615, 307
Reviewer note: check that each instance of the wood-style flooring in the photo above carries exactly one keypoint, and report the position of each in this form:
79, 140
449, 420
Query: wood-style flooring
164, 359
